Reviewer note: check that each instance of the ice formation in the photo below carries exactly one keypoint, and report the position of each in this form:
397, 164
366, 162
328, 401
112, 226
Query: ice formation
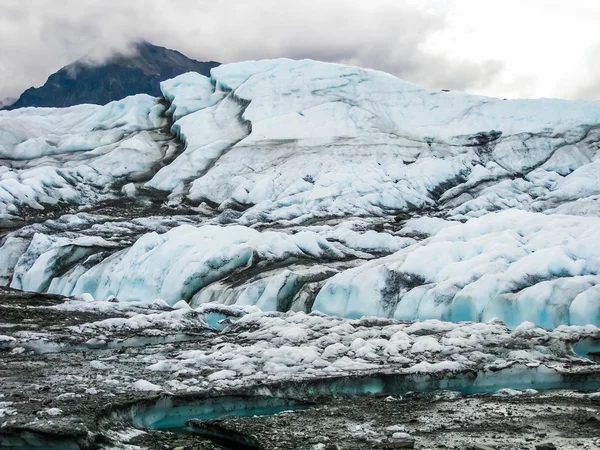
512, 265
306, 186
274, 347
72, 154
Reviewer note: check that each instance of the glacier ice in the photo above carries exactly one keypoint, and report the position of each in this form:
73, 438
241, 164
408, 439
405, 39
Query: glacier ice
29, 133
253, 130
207, 134
171, 266
512, 265
383, 144
307, 186
72, 154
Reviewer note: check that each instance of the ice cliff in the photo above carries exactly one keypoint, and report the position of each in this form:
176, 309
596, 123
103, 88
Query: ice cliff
300, 185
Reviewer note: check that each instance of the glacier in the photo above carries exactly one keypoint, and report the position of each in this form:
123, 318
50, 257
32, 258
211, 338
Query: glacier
307, 186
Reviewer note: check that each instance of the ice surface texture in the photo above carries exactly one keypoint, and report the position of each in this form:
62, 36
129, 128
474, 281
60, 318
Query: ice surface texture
512, 265
70, 155
303, 175
261, 347
329, 140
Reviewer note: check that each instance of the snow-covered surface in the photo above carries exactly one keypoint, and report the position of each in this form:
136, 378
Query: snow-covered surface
300, 185
299, 139
335, 140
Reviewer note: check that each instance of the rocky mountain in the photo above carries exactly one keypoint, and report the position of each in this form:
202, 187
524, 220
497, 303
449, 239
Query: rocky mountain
117, 78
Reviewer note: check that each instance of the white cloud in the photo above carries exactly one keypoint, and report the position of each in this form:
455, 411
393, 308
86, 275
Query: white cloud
498, 48
545, 45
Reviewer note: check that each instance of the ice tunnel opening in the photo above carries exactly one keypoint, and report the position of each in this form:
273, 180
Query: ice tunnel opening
217, 321
168, 413
588, 348
201, 416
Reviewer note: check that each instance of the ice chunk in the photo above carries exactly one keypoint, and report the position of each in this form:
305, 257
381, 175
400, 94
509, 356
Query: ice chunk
143, 385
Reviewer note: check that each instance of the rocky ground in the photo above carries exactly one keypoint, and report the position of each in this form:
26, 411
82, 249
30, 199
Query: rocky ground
86, 375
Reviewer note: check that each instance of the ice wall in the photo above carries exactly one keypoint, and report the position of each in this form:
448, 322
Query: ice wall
171, 266
511, 265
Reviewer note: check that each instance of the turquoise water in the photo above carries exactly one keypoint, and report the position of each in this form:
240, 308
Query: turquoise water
167, 414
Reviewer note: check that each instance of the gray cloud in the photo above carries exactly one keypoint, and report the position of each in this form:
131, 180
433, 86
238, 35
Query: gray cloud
38, 37
590, 89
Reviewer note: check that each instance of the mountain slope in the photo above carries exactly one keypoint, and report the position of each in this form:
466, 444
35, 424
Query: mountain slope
119, 77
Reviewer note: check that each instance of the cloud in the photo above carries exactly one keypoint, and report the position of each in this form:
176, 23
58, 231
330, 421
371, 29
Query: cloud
590, 87
39, 36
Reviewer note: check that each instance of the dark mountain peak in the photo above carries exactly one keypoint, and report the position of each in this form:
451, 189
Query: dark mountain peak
122, 74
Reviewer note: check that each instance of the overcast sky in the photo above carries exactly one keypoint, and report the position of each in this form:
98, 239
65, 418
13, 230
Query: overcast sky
503, 48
